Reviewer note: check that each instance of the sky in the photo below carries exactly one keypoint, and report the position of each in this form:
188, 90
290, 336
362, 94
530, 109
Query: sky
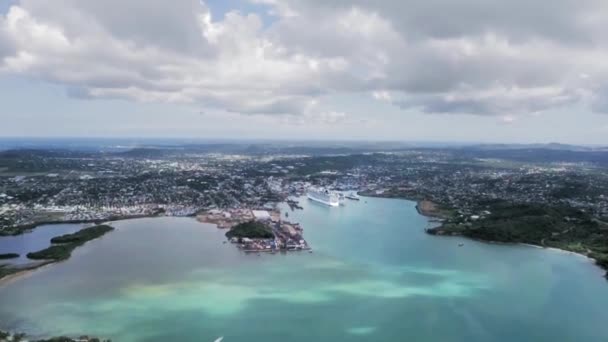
516, 71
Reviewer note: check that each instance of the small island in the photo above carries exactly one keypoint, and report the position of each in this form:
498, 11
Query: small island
257, 230
62, 246
267, 236
8, 256
61, 249
250, 230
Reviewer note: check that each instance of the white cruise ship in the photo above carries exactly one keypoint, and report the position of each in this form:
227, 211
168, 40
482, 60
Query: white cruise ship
324, 196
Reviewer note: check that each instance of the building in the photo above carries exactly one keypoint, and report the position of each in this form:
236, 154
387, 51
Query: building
261, 215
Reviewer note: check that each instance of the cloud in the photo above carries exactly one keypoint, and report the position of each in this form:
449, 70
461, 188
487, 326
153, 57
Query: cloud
382, 95
492, 57
7, 45
482, 58
315, 117
103, 52
508, 119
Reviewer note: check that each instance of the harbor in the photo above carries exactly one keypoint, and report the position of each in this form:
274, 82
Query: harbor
255, 231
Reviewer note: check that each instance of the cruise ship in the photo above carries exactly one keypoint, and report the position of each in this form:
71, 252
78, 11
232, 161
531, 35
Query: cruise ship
324, 196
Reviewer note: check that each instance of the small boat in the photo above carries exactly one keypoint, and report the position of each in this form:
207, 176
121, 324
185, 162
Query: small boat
353, 196
460, 244
219, 339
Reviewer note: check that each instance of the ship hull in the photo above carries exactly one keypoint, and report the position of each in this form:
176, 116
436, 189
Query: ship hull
319, 200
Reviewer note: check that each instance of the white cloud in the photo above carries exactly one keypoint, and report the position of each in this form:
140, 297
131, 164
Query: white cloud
237, 68
443, 56
508, 119
382, 95
316, 118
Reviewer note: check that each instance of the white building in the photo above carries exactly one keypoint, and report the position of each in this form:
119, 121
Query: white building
261, 215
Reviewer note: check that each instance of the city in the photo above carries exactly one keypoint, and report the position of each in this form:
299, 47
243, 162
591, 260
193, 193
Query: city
39, 187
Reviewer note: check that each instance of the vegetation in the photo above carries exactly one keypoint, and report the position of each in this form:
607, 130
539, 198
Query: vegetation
67, 339
54, 252
6, 336
50, 220
9, 256
64, 245
4, 271
83, 235
252, 230
559, 227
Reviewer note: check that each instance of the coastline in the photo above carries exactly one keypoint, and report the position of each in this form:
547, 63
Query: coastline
21, 273
22, 229
13, 336
431, 210
10, 273
550, 248
564, 251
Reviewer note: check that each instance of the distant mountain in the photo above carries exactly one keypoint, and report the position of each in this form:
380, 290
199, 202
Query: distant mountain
43, 153
549, 146
144, 152
538, 155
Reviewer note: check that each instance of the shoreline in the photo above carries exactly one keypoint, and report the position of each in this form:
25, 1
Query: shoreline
26, 228
423, 206
7, 335
430, 209
564, 251
549, 248
24, 272
15, 272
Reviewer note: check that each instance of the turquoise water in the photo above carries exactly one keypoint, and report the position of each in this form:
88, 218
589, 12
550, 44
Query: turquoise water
374, 276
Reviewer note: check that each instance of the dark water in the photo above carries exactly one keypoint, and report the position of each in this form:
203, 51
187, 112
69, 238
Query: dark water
35, 240
374, 276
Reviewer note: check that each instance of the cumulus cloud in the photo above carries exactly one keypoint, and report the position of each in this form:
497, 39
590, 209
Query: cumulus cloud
490, 57
153, 51
487, 58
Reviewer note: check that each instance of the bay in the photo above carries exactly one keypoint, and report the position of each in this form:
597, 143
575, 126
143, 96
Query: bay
374, 275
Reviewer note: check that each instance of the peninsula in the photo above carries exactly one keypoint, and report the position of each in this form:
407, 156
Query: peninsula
563, 228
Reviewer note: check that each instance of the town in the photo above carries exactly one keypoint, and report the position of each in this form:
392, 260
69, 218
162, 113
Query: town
39, 186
